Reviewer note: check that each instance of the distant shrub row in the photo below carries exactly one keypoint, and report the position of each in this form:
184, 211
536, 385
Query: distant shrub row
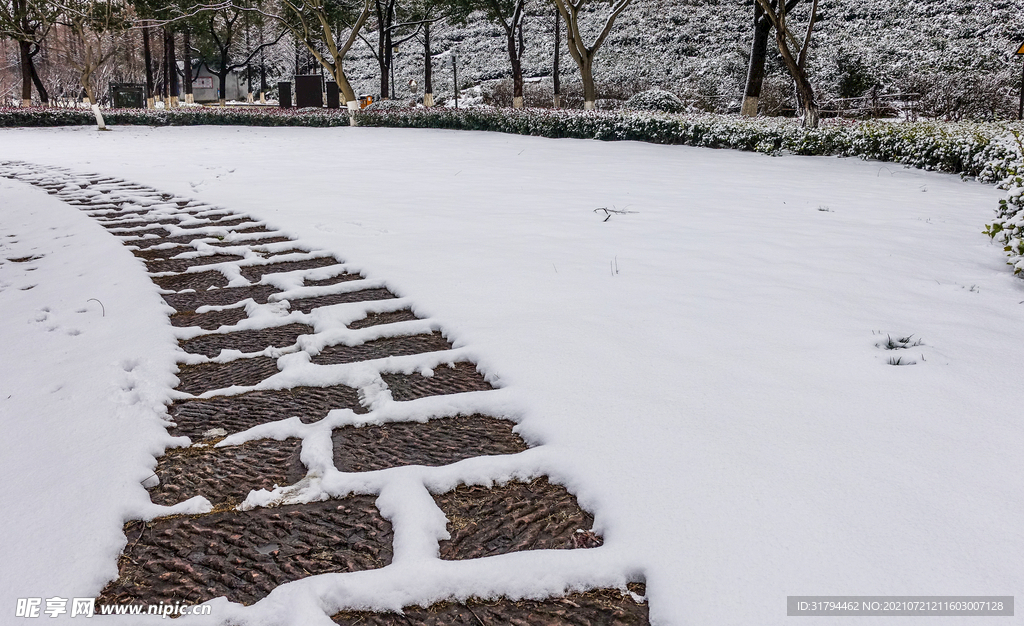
990, 152
185, 116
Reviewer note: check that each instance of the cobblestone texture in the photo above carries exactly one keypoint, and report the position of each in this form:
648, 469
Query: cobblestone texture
200, 281
518, 516
254, 272
211, 320
375, 319
381, 348
306, 305
226, 475
461, 378
244, 555
344, 277
180, 265
149, 243
437, 442
198, 379
238, 413
246, 340
249, 242
190, 301
600, 607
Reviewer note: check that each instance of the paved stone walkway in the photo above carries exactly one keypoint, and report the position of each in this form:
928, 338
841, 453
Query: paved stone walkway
245, 554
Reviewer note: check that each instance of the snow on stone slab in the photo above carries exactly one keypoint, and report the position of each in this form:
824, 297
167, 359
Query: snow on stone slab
704, 372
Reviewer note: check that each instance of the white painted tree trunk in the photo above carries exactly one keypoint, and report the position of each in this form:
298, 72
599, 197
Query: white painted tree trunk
749, 107
428, 99
353, 108
26, 103
100, 124
517, 102
588, 105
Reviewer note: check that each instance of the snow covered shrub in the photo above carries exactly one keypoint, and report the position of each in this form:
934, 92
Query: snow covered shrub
966, 96
655, 100
536, 94
191, 116
388, 105
1008, 227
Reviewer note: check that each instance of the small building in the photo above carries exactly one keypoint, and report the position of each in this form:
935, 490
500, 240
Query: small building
206, 85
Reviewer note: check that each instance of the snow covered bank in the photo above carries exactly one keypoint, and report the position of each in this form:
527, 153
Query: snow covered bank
88, 357
709, 368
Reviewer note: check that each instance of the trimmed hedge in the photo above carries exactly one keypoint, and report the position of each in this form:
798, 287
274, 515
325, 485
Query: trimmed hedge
990, 152
185, 116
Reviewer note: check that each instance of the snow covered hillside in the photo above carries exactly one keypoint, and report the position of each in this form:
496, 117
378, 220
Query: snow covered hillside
700, 48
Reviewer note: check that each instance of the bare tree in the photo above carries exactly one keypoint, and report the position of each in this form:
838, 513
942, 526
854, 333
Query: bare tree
221, 30
27, 22
571, 11
795, 63
331, 25
92, 27
509, 14
555, 79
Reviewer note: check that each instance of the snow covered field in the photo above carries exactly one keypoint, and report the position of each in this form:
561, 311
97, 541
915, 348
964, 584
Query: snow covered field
704, 371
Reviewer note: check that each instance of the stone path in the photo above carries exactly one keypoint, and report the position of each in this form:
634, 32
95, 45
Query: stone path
216, 268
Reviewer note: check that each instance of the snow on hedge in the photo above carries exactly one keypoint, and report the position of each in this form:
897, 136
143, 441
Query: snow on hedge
1008, 227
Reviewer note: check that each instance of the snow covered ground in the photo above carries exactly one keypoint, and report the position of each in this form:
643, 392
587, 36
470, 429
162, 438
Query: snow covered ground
705, 370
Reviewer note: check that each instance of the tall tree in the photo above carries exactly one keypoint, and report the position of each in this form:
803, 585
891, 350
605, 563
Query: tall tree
94, 27
172, 64
330, 25
758, 56
509, 14
572, 12
428, 69
396, 24
220, 45
186, 51
147, 53
27, 22
556, 82
385, 10
795, 63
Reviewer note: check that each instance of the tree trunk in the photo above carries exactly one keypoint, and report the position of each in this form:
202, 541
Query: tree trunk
589, 89
384, 47
166, 90
347, 94
755, 71
186, 45
173, 63
100, 124
803, 84
515, 56
26, 74
44, 97
222, 84
428, 79
554, 69
148, 54
811, 116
